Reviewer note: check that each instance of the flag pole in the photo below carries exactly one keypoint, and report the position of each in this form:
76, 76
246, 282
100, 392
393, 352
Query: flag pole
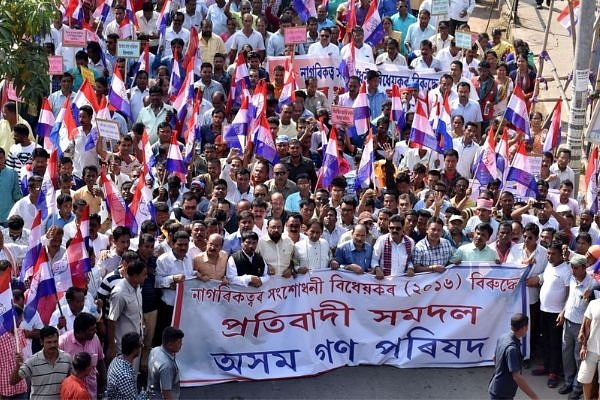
14, 317
52, 274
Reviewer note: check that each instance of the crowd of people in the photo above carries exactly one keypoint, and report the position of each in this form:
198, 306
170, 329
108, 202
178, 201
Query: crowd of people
240, 219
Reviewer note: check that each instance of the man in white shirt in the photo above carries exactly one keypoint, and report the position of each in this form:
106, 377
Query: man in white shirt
418, 31
392, 252
392, 54
247, 35
466, 107
194, 12
276, 250
138, 93
362, 51
312, 253
560, 170
245, 267
467, 149
216, 14
176, 30
426, 60
147, 19
324, 47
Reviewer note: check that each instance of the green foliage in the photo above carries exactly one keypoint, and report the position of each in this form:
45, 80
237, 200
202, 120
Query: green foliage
24, 61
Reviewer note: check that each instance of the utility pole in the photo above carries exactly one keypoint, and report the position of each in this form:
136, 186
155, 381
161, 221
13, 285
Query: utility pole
581, 82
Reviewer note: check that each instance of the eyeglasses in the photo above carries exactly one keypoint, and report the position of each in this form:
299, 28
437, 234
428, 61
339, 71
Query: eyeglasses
394, 228
279, 173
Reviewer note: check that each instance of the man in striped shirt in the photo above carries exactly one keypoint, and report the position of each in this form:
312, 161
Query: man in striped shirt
46, 369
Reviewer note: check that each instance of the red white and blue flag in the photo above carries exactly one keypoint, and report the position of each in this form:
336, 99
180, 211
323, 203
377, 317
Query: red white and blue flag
192, 129
237, 133
45, 123
41, 295
117, 95
175, 82
185, 96
305, 9
520, 172
175, 164
7, 312
398, 115
441, 122
239, 82
372, 26
421, 132
77, 258
163, 18
331, 162
591, 182
517, 113
502, 160
143, 63
362, 114
554, 132
564, 17
119, 211
102, 10
365, 175
65, 127
485, 165
264, 145
142, 206
35, 246
290, 85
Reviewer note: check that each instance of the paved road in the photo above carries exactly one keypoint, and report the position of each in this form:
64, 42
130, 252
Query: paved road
372, 382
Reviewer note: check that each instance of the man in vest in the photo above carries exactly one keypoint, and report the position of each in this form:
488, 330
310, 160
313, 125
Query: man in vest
245, 267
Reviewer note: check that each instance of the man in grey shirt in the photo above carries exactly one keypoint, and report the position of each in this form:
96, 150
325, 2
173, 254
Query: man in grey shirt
163, 373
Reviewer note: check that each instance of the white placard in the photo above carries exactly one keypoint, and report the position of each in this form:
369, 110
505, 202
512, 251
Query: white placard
108, 129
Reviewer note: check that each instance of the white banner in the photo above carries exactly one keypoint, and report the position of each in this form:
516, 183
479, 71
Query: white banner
328, 319
390, 74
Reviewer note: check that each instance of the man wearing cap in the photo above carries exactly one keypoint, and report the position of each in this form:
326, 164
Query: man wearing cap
577, 302
478, 250
454, 233
393, 252
365, 218
432, 253
484, 215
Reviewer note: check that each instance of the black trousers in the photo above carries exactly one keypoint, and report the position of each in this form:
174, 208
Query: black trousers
163, 320
552, 342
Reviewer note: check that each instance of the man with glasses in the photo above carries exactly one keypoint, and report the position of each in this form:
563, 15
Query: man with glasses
324, 47
393, 252
280, 182
355, 255
363, 51
401, 21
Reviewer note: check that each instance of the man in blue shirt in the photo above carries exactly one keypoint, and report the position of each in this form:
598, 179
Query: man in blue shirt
356, 254
508, 362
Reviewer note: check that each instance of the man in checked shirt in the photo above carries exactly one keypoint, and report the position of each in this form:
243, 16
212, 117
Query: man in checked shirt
433, 252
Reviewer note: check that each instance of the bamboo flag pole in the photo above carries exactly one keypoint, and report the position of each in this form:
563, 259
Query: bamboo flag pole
536, 88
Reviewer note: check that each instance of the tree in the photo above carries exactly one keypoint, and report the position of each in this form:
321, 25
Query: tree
23, 26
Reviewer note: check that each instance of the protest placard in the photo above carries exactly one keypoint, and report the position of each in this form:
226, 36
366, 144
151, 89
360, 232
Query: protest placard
128, 48
342, 115
463, 39
73, 38
55, 65
294, 35
439, 7
108, 129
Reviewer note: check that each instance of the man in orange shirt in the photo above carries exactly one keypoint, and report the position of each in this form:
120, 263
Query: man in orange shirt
73, 387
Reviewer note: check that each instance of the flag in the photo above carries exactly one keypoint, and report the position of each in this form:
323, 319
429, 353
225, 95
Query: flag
441, 123
591, 182
347, 67
331, 163
520, 172
76, 257
305, 9
7, 312
239, 81
236, 134
290, 84
351, 16
502, 157
45, 123
366, 172
516, 112
117, 95
41, 295
554, 132
47, 198
175, 164
65, 127
372, 26
421, 132
163, 18
143, 63
565, 19
35, 246
185, 95
175, 81
485, 165
148, 159
192, 50
263, 140
119, 211
362, 114
141, 205
397, 114
102, 10
86, 96
192, 129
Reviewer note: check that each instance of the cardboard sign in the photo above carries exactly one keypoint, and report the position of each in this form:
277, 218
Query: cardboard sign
74, 37
342, 115
11, 92
55, 65
128, 48
463, 39
108, 129
439, 7
294, 35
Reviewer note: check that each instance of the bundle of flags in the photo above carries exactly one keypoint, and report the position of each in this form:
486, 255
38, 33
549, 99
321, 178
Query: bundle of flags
591, 182
564, 18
